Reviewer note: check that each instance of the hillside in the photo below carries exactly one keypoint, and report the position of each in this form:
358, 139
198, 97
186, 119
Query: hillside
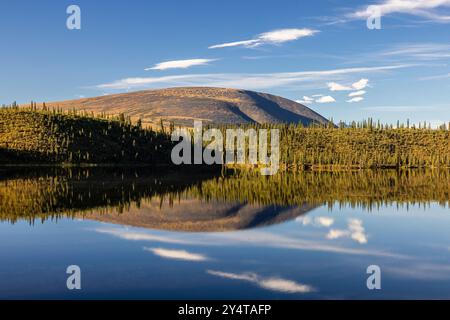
184, 105
35, 136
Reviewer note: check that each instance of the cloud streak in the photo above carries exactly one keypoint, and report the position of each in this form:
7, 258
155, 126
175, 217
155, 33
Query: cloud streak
274, 37
423, 8
243, 80
357, 93
355, 99
180, 64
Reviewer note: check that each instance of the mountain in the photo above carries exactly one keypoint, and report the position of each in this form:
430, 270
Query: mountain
184, 105
195, 215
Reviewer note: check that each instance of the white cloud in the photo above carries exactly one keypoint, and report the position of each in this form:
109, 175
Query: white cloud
355, 100
177, 254
423, 8
334, 86
273, 284
326, 99
305, 100
242, 80
361, 84
272, 37
357, 93
180, 64
285, 35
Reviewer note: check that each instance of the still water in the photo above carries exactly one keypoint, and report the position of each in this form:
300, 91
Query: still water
140, 235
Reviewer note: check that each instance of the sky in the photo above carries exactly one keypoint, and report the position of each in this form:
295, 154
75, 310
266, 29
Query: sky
321, 53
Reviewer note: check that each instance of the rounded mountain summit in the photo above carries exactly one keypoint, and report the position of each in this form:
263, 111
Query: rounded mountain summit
182, 106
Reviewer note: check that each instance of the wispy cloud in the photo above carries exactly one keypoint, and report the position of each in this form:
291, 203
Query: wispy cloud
436, 77
423, 8
305, 100
180, 64
244, 80
139, 236
400, 108
355, 99
177, 254
273, 284
274, 37
418, 51
357, 93
421, 271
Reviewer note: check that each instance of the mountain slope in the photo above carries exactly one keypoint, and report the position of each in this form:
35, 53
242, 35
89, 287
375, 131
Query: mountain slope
184, 105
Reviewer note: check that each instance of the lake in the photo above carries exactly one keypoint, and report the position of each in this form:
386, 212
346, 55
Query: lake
138, 234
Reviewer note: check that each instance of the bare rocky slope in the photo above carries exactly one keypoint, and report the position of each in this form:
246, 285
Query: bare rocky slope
184, 105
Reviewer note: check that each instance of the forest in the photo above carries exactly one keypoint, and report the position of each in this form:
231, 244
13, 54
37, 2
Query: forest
42, 135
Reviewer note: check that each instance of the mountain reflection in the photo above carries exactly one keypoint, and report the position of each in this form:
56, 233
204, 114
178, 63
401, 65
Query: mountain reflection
207, 201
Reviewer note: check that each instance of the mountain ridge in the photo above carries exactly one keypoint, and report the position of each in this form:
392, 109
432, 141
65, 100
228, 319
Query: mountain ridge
183, 105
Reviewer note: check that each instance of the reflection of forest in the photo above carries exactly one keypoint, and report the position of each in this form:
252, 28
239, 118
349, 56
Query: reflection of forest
205, 202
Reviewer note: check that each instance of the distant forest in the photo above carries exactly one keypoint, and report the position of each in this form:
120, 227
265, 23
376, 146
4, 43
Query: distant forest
40, 135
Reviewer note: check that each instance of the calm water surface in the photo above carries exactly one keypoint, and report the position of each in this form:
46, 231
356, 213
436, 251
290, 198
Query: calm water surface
146, 236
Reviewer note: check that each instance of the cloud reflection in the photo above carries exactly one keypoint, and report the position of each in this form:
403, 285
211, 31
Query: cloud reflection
355, 231
317, 221
177, 254
273, 284
249, 238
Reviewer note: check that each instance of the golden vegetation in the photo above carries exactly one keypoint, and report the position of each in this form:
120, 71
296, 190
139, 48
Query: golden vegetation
32, 135
360, 145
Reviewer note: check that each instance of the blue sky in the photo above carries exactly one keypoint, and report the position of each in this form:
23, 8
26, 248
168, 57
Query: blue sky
318, 52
